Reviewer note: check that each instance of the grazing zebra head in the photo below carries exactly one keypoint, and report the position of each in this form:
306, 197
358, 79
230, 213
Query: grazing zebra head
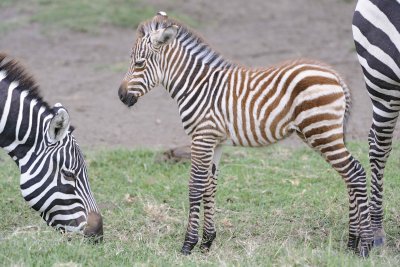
39, 139
146, 69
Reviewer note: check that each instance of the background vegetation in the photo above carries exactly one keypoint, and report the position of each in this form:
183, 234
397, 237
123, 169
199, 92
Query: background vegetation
82, 15
275, 206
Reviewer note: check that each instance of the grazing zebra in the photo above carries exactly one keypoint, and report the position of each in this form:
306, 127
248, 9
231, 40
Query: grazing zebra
224, 103
376, 32
39, 139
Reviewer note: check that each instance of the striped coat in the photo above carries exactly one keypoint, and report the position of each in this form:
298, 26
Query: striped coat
39, 139
221, 103
376, 32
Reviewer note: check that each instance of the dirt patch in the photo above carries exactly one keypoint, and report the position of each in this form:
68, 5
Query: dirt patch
83, 71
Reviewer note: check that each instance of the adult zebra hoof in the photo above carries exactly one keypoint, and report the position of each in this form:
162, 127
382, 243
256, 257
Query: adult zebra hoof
364, 251
379, 238
379, 242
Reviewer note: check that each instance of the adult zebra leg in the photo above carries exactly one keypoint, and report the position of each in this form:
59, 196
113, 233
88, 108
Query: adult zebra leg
336, 154
380, 145
202, 151
209, 232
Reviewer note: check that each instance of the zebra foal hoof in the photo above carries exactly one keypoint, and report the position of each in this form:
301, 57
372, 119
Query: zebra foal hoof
187, 248
186, 251
364, 251
353, 243
206, 242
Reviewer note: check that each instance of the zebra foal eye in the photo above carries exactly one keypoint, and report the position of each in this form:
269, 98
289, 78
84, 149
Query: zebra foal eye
139, 63
68, 175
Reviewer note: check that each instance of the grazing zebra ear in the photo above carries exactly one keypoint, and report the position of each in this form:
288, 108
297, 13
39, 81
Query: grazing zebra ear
164, 36
59, 124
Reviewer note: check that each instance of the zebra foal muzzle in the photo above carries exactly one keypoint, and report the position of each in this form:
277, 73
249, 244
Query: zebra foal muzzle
128, 98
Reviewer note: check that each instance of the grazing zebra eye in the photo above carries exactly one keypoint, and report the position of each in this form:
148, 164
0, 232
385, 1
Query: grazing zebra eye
139, 63
69, 176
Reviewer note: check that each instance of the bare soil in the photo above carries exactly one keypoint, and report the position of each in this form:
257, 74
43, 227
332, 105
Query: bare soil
83, 71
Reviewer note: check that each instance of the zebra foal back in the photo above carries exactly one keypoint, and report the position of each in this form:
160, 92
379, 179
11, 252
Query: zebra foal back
264, 106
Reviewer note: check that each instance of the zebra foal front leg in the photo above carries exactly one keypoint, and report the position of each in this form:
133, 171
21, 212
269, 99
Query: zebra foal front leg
209, 232
202, 151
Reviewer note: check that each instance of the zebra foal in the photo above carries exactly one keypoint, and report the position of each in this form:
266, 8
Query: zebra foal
39, 139
224, 103
376, 32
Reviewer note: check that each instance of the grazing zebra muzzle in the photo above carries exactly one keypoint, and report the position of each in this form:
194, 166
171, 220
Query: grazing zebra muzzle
39, 139
222, 103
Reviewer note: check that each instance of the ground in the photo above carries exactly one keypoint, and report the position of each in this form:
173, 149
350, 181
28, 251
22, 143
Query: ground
83, 70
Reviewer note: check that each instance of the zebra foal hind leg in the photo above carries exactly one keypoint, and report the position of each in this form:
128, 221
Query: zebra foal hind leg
209, 232
380, 145
202, 151
332, 148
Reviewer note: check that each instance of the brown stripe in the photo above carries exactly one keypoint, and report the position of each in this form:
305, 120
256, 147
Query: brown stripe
341, 155
326, 140
315, 118
332, 148
243, 105
235, 104
321, 129
267, 97
299, 87
251, 111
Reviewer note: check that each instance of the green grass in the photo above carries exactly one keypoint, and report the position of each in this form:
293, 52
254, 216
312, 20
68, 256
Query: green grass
275, 206
81, 15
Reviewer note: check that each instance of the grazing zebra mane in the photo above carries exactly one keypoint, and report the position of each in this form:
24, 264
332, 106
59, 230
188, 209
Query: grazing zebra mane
185, 33
16, 72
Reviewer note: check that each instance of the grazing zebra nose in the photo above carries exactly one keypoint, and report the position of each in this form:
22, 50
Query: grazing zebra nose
94, 227
127, 98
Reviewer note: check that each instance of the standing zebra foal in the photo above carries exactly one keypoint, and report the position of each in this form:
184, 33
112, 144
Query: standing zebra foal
376, 32
224, 103
39, 139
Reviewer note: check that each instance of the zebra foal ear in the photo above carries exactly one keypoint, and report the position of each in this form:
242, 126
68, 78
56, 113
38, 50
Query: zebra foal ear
59, 124
164, 36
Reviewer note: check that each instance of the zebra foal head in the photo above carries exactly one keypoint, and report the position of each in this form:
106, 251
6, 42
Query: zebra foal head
145, 72
54, 179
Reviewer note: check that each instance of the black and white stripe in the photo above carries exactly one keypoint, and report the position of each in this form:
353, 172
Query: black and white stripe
376, 32
39, 139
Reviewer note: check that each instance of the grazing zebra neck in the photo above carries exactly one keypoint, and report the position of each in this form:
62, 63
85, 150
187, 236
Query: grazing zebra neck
24, 116
54, 178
